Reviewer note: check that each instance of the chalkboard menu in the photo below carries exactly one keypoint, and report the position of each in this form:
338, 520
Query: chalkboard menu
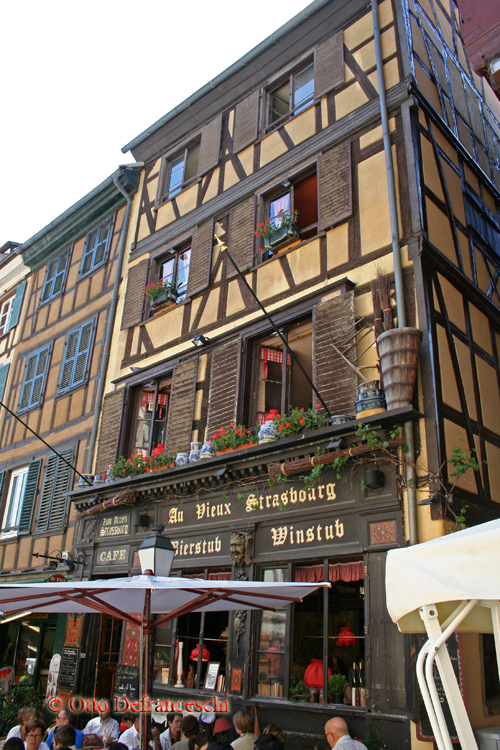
127, 681
69, 665
425, 729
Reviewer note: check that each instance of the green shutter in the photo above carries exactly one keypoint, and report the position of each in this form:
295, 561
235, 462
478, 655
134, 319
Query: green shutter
34, 379
52, 513
16, 306
4, 371
76, 357
29, 495
2, 480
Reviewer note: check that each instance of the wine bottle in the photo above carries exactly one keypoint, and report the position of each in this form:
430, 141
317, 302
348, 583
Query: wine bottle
355, 698
361, 685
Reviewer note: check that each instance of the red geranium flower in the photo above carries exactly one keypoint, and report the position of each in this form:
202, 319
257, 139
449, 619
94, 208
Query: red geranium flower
302, 420
281, 426
287, 424
256, 233
232, 424
262, 224
318, 406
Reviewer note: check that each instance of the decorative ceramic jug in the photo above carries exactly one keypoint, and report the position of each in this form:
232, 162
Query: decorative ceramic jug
206, 450
194, 453
181, 458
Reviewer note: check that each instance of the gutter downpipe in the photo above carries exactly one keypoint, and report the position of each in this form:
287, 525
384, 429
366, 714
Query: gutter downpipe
111, 324
398, 269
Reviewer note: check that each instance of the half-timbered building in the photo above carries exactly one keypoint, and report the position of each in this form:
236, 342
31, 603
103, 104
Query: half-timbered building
56, 301
296, 125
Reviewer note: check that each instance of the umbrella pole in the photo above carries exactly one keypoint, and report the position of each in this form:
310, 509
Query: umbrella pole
147, 629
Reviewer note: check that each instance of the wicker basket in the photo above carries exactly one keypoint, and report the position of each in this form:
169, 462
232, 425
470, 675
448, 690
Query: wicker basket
398, 352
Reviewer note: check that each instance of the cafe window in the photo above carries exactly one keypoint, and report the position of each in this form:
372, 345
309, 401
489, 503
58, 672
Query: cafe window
151, 411
340, 634
281, 383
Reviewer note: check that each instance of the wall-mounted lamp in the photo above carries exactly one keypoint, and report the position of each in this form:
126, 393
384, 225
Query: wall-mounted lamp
286, 184
434, 498
200, 340
374, 479
335, 445
142, 519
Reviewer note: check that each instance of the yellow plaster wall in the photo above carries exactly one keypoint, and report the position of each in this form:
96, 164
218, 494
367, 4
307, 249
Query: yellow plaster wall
24, 553
167, 327
365, 56
246, 159
324, 112
213, 187
305, 262
349, 99
337, 246
230, 176
186, 201
198, 400
234, 299
209, 314
9, 556
391, 75
271, 280
376, 134
362, 29
202, 368
374, 216
165, 215
271, 147
303, 126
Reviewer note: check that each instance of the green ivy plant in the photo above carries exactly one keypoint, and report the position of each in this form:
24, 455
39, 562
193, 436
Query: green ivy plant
12, 700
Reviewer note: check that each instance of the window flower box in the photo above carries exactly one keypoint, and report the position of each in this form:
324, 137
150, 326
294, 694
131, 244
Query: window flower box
281, 237
164, 297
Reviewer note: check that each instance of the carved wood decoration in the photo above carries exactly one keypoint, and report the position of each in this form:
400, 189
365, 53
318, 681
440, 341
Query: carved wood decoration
335, 188
224, 384
134, 297
180, 417
201, 258
241, 235
333, 320
210, 145
245, 124
110, 429
329, 64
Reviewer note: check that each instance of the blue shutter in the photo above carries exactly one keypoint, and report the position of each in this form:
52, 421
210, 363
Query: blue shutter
34, 379
4, 371
49, 279
55, 277
52, 513
16, 306
76, 357
29, 496
2, 480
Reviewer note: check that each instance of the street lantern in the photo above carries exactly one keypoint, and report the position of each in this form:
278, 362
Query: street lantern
156, 554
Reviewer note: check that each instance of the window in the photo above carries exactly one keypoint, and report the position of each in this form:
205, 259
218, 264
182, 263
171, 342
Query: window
301, 195
176, 268
55, 277
293, 95
4, 371
52, 513
34, 379
96, 246
179, 172
20, 500
150, 428
310, 634
278, 385
5, 312
76, 357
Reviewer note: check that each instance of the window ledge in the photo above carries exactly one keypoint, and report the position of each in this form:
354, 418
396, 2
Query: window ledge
262, 700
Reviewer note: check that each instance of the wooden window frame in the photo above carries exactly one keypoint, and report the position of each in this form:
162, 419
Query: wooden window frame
34, 404
289, 76
132, 415
4, 329
159, 260
97, 243
50, 282
32, 474
12, 531
163, 195
276, 192
80, 330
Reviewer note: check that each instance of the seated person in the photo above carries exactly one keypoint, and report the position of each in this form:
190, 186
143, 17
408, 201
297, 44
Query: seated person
24, 715
244, 724
35, 729
103, 726
189, 728
130, 736
64, 737
64, 718
171, 735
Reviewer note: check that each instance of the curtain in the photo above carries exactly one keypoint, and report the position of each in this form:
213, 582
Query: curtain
346, 572
219, 576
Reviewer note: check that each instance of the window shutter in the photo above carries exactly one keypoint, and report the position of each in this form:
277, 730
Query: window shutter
210, 145
134, 297
333, 320
49, 278
2, 480
4, 371
29, 495
335, 188
89, 251
180, 416
34, 379
69, 360
83, 354
102, 243
241, 236
245, 124
60, 273
224, 385
329, 64
16, 306
201, 258
52, 513
111, 417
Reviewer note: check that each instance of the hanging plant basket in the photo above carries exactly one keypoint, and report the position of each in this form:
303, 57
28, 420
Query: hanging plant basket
281, 237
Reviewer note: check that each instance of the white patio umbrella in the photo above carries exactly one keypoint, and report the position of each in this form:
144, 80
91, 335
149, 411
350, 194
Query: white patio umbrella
447, 585
148, 594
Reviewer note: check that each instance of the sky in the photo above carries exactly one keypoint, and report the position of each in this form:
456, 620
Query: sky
78, 81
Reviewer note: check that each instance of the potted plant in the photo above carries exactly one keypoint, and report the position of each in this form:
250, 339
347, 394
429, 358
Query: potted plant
298, 420
279, 231
298, 691
232, 438
161, 292
336, 684
161, 459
